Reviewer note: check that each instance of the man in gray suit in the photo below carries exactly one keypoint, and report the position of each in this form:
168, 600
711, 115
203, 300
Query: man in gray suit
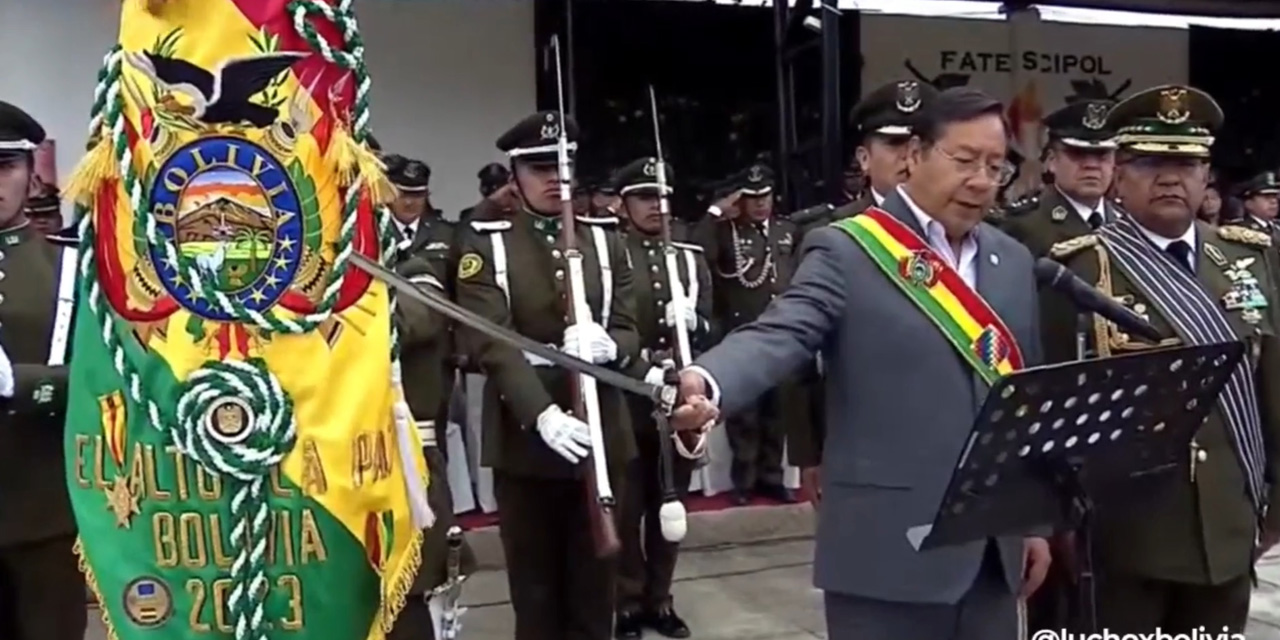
901, 394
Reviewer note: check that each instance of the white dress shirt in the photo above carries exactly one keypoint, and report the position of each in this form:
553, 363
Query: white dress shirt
876, 197
1162, 243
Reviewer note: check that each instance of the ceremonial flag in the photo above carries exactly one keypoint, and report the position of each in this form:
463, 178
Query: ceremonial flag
240, 459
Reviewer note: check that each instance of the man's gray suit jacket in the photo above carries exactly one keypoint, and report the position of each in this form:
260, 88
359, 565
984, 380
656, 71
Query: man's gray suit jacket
900, 405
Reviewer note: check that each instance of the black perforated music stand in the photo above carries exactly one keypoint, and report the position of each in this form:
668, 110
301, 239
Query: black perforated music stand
1051, 443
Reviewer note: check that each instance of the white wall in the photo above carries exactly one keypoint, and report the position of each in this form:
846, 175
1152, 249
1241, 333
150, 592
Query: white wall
449, 77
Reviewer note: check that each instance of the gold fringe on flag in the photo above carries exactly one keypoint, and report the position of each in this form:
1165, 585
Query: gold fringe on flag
357, 162
95, 168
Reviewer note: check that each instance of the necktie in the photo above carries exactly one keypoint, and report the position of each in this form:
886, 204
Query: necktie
1181, 253
1095, 220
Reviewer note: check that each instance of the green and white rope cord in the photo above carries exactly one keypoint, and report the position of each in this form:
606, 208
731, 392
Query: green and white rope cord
273, 429
247, 457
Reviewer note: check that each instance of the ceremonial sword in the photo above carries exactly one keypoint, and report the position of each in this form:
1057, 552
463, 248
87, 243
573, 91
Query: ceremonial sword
664, 395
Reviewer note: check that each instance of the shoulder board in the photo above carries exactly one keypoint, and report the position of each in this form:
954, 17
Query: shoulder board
1025, 204
606, 221
1068, 248
489, 226
687, 247
1241, 235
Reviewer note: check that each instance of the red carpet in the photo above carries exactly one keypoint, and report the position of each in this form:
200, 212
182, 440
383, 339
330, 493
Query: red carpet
476, 519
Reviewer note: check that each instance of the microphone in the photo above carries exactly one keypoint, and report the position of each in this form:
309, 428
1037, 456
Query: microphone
1057, 277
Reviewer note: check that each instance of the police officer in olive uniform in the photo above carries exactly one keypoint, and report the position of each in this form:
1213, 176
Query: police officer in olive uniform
604, 199
424, 345
1081, 158
1180, 559
422, 230
513, 270
648, 561
45, 213
750, 251
42, 594
492, 177
1260, 197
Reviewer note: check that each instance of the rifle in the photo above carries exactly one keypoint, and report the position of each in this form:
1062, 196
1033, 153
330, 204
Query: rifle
672, 516
586, 399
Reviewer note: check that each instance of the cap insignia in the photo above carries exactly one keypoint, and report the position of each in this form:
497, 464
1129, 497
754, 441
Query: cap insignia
1095, 116
908, 96
756, 174
651, 168
1173, 106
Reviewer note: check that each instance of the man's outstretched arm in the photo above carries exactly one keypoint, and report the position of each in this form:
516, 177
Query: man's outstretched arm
758, 356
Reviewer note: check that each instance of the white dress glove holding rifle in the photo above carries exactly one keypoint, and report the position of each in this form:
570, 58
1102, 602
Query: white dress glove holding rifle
657, 376
690, 316
589, 341
565, 434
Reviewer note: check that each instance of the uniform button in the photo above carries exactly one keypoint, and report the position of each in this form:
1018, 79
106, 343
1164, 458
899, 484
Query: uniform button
555, 253
559, 274
657, 285
2, 275
652, 253
551, 239
1201, 455
1, 255
653, 268
662, 321
662, 340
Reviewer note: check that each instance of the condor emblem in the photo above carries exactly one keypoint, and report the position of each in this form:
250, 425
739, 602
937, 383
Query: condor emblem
550, 130
908, 96
1173, 106
1095, 116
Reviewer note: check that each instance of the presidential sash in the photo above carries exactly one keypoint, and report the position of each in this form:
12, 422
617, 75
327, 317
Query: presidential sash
963, 317
240, 459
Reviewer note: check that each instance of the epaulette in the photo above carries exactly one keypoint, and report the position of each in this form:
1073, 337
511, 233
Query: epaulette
602, 221
489, 226
1241, 235
687, 246
1068, 248
1023, 205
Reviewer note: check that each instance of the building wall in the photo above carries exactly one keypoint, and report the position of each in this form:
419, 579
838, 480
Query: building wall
449, 77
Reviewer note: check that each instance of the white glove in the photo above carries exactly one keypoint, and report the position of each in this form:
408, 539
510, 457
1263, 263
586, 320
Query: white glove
589, 341
690, 316
656, 376
565, 434
6, 374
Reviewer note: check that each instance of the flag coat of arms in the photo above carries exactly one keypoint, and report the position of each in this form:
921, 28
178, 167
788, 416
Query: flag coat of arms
241, 461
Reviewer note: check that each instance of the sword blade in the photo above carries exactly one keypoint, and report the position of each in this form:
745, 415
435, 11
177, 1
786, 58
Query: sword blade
457, 313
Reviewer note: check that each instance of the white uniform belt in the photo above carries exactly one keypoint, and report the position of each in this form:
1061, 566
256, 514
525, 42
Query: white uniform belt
427, 432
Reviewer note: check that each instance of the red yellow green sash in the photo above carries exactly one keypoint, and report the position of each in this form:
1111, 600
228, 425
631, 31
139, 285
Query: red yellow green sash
976, 332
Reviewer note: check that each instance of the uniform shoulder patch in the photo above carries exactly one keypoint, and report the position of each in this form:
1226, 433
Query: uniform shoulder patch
469, 265
1068, 248
1241, 235
688, 247
490, 226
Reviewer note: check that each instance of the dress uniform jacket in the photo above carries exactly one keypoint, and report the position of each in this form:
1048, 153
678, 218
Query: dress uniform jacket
33, 492
43, 592
1199, 528
514, 273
